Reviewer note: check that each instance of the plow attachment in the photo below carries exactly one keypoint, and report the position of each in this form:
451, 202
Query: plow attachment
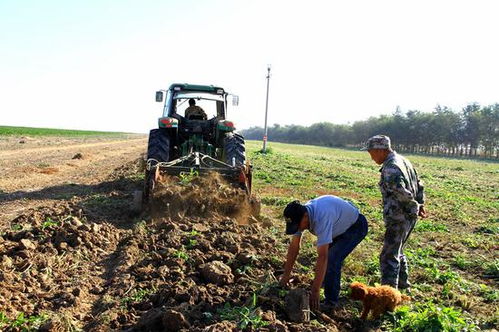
194, 163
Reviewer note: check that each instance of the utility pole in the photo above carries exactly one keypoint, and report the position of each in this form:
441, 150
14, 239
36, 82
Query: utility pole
264, 150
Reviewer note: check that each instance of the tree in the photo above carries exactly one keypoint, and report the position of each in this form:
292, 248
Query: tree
442, 130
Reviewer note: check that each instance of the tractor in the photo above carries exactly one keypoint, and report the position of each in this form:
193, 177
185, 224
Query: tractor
201, 143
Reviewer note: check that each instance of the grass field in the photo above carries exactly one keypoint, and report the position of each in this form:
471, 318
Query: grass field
452, 254
29, 131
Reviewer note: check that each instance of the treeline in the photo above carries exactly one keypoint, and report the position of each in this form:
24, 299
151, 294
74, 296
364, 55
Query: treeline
471, 132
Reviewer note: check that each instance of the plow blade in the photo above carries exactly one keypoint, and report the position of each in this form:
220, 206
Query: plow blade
239, 175
195, 161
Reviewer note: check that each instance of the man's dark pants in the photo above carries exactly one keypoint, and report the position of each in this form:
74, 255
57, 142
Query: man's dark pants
341, 247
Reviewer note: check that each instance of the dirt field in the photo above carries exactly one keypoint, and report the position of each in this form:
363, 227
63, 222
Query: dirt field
45, 170
73, 255
47, 185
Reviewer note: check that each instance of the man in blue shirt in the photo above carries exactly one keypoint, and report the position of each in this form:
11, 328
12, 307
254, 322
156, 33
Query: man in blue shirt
339, 227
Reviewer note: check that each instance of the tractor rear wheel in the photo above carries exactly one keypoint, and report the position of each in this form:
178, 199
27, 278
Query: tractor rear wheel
234, 150
158, 147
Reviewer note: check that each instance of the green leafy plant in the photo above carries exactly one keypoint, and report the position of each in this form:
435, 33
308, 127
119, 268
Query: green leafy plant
187, 177
268, 150
283, 292
492, 229
471, 242
422, 257
21, 322
244, 269
138, 295
16, 227
49, 223
489, 294
182, 254
428, 226
428, 317
442, 277
372, 265
4, 320
492, 269
245, 316
461, 262
191, 241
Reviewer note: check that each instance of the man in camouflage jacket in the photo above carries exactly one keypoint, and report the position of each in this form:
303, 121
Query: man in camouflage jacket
403, 202
195, 111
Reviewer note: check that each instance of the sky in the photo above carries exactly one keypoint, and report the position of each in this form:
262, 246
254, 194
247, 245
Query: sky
97, 64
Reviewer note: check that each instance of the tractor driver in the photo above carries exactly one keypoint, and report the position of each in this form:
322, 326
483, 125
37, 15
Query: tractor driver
195, 112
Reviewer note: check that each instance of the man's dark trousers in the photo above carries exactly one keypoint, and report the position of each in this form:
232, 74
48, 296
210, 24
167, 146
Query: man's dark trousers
341, 247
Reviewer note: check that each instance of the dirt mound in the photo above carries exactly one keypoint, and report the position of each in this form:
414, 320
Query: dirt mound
43, 258
36, 217
199, 274
129, 170
203, 271
202, 196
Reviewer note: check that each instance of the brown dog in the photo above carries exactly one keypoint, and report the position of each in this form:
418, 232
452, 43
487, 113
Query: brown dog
378, 300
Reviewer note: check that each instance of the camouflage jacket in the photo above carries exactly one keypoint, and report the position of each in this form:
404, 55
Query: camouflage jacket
401, 188
195, 111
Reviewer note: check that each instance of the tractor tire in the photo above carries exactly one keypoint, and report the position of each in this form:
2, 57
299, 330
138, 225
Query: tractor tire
158, 147
234, 149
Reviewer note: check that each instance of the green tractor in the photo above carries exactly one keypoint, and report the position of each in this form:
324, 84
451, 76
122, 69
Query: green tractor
195, 138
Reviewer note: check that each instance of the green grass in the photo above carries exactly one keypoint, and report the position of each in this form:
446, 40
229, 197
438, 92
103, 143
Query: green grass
21, 322
29, 131
451, 254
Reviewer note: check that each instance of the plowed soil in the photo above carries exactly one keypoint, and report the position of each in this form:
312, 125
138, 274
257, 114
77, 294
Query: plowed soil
73, 255
207, 196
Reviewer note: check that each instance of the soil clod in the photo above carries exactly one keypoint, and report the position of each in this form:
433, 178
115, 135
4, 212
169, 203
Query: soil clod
217, 272
77, 156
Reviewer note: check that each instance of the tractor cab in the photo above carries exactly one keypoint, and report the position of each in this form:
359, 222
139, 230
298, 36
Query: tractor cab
197, 113
212, 99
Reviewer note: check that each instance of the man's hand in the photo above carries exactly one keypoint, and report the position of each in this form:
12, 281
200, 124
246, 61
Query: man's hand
314, 299
422, 212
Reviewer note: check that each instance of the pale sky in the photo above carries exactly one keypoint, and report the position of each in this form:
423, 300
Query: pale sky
96, 64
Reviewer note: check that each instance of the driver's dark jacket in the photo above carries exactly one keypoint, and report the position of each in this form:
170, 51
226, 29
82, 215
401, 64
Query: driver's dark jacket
195, 111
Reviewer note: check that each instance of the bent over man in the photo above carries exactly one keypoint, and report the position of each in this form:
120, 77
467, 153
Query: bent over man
403, 201
339, 228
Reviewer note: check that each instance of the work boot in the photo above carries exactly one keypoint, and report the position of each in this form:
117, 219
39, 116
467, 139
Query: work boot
403, 280
330, 307
404, 284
